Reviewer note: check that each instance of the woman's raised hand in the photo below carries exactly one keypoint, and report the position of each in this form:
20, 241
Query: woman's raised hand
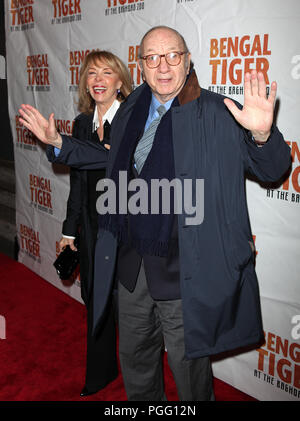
42, 128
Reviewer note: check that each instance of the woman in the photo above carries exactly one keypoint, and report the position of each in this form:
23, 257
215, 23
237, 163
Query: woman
104, 83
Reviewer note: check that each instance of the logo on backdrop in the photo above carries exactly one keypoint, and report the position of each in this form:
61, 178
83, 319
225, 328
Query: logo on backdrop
75, 61
64, 126
136, 76
30, 242
278, 364
65, 11
40, 193
21, 15
38, 73
290, 189
117, 7
232, 57
25, 139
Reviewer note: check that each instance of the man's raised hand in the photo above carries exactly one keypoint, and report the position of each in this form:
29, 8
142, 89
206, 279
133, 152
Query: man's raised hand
258, 110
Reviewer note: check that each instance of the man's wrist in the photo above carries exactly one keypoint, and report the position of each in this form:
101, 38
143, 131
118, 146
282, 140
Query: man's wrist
260, 138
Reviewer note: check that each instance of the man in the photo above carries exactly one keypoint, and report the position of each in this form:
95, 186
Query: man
191, 288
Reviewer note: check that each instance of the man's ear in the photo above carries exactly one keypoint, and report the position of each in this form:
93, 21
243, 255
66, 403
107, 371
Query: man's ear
140, 65
188, 64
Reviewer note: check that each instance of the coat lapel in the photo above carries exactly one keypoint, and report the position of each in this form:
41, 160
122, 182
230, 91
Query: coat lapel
119, 125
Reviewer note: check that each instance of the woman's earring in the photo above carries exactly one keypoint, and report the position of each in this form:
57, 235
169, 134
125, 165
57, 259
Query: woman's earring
87, 90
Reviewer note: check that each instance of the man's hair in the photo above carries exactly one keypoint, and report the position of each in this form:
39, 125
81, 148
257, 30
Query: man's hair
141, 52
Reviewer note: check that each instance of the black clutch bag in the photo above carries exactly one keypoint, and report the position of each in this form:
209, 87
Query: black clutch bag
66, 262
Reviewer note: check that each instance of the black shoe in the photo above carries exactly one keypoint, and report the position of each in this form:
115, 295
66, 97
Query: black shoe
86, 392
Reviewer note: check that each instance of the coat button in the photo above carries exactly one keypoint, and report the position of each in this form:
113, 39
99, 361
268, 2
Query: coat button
106, 257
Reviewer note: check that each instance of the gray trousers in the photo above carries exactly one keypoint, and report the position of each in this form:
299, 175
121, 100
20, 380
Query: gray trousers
146, 327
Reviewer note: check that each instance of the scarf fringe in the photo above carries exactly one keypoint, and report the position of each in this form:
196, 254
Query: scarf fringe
150, 247
143, 246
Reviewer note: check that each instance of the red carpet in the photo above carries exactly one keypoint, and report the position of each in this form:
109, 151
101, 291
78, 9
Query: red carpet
43, 355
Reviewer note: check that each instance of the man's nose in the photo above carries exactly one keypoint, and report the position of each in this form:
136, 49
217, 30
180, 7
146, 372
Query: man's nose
163, 66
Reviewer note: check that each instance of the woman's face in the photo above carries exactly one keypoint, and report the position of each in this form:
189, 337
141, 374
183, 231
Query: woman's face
102, 83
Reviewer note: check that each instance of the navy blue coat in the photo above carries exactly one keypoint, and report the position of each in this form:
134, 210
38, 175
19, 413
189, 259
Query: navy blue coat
221, 304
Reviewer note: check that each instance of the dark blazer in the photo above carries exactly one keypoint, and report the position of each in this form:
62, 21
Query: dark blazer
101, 363
78, 210
219, 288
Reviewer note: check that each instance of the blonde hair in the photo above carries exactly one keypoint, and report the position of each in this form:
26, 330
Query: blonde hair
86, 103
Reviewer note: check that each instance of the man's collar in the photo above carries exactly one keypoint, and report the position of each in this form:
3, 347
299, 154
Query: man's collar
189, 92
155, 104
191, 89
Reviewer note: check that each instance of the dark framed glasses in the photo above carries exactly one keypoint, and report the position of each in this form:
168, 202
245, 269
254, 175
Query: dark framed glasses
173, 59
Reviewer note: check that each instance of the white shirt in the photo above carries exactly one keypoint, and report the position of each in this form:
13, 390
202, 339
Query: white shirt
109, 115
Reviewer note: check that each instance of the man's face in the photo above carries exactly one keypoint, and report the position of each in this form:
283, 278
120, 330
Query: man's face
165, 81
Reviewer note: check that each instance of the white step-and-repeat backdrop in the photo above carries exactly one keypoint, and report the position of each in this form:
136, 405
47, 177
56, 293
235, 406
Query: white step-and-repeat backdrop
46, 41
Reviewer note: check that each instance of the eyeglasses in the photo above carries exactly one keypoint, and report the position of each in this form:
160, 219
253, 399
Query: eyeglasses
173, 59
